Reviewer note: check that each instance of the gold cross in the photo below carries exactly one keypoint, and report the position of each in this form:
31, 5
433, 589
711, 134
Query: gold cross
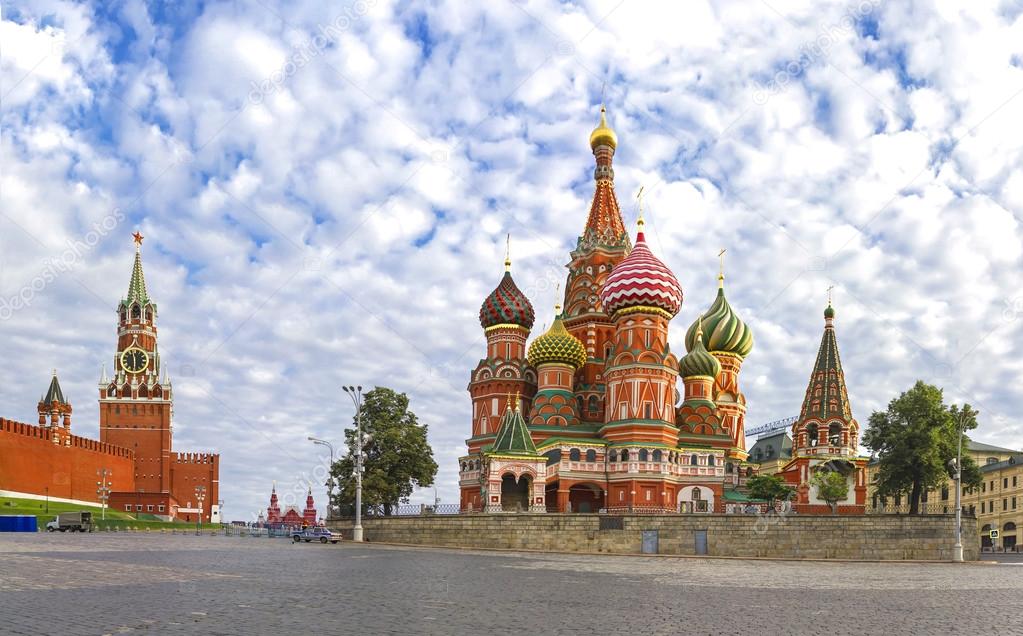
721, 266
829, 293
639, 198
507, 252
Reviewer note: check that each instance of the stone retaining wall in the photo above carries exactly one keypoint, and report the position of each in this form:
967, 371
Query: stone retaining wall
866, 537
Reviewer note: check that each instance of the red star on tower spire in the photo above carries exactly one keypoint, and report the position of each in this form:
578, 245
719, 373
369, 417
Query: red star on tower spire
138, 239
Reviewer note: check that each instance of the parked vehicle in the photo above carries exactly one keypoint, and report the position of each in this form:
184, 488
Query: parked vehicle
73, 521
314, 534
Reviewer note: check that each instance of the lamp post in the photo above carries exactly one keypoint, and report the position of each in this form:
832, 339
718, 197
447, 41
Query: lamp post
200, 495
330, 473
957, 549
355, 392
102, 489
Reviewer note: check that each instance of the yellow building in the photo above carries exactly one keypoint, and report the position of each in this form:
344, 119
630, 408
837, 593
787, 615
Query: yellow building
998, 503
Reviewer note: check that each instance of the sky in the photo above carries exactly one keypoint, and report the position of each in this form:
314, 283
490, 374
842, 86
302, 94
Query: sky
325, 190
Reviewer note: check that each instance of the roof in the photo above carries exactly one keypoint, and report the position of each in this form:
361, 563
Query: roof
137, 286
981, 446
1015, 460
781, 448
735, 495
512, 436
826, 395
54, 393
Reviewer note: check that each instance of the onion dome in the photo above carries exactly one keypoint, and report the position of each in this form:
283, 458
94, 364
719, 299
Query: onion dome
641, 280
507, 305
829, 312
603, 135
556, 345
699, 362
722, 331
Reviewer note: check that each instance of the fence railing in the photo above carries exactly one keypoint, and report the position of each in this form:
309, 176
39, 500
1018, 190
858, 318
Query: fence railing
930, 508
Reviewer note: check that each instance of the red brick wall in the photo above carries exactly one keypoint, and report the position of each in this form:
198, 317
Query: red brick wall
189, 470
144, 428
31, 463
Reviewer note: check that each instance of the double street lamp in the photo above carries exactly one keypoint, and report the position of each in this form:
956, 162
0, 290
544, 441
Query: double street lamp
355, 392
102, 489
957, 466
200, 495
330, 473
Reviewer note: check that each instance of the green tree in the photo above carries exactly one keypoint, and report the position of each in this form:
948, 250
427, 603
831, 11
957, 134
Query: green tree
397, 457
832, 487
769, 487
915, 440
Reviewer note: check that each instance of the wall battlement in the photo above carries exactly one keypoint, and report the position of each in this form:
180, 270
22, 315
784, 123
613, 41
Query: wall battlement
195, 458
38, 432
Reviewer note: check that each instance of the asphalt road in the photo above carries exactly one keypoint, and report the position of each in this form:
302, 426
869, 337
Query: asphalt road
167, 584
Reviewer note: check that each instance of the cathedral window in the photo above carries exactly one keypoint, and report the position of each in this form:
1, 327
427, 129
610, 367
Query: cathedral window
573, 455
625, 455
694, 460
643, 455
729, 469
591, 455
648, 410
592, 404
136, 313
658, 456
614, 456
710, 460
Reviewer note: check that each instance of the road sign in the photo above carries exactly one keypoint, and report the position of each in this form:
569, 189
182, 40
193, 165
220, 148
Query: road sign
994, 534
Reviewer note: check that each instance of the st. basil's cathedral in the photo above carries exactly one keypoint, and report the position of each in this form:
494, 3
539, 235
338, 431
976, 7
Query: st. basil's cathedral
589, 417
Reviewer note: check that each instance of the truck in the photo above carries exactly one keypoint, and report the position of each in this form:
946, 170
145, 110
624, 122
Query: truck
73, 521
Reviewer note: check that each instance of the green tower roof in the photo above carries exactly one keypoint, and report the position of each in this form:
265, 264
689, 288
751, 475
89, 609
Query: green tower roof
513, 437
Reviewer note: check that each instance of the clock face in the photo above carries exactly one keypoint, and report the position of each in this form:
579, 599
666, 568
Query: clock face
134, 360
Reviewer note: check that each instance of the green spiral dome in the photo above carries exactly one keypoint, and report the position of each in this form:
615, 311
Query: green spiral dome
699, 362
556, 345
722, 330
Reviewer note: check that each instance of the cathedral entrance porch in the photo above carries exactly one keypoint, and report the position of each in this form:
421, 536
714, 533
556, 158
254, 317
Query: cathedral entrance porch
515, 493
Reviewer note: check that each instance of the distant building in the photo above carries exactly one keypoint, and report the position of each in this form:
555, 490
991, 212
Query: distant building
998, 503
290, 517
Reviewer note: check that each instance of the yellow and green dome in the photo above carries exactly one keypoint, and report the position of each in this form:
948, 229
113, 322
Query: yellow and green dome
603, 135
699, 361
556, 345
723, 331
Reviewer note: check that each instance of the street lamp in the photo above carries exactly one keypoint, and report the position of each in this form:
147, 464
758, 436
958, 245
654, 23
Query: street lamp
355, 392
330, 473
102, 489
957, 549
200, 495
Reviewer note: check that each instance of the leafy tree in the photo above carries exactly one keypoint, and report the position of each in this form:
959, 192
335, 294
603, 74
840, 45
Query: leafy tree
397, 457
832, 487
915, 440
769, 487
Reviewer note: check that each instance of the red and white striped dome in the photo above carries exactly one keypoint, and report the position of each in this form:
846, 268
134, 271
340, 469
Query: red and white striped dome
641, 280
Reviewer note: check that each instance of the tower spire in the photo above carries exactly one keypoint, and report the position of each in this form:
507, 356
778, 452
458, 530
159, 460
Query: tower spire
639, 198
721, 268
507, 252
137, 286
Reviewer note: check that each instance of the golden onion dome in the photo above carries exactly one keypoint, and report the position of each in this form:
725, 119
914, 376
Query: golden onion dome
603, 135
558, 346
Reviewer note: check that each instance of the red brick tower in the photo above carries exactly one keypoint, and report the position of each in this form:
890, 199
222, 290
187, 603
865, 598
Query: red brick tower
135, 406
309, 514
273, 511
55, 413
642, 295
506, 317
602, 245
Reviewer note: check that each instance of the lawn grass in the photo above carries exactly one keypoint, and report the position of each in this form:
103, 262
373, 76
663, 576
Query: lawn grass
115, 519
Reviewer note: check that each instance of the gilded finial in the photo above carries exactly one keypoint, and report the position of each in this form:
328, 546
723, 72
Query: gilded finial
639, 198
507, 252
516, 401
699, 327
508, 403
721, 267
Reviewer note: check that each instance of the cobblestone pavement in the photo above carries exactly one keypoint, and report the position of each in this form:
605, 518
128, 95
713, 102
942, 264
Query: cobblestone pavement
174, 584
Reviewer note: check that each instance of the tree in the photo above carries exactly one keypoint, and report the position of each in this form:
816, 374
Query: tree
397, 457
769, 487
832, 487
915, 440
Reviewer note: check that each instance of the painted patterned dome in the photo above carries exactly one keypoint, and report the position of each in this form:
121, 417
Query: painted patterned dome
699, 361
556, 345
722, 329
641, 280
506, 305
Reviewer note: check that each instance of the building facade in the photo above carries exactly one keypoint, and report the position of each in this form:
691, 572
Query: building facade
134, 456
591, 415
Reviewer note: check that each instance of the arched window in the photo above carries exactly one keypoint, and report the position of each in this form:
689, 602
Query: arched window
136, 313
143, 391
593, 405
643, 455
573, 455
835, 434
658, 456
614, 456
124, 315
625, 454
729, 469
579, 403
697, 494
710, 460
811, 435
149, 315
694, 460
591, 455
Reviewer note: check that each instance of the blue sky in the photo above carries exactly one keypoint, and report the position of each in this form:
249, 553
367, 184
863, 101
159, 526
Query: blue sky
325, 190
